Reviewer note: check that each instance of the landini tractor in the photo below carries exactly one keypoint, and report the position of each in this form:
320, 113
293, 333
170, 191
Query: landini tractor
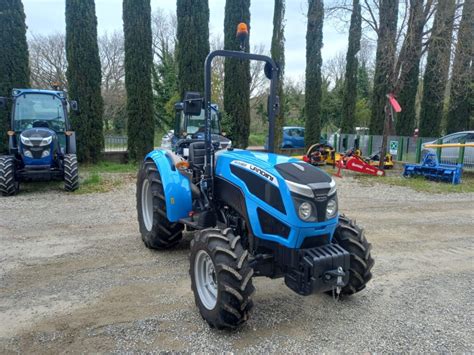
190, 128
252, 214
41, 144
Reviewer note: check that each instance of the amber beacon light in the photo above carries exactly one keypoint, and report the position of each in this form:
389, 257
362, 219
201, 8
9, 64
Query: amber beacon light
242, 34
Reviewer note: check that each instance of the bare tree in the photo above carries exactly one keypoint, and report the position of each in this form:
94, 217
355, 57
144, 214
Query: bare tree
334, 68
163, 26
48, 60
112, 56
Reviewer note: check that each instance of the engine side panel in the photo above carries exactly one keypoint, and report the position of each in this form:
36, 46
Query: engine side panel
177, 187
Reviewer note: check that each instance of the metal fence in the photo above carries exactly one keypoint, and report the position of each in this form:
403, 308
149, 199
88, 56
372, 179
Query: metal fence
116, 143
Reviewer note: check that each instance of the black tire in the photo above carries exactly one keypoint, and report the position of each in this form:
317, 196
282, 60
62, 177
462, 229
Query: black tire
160, 233
71, 172
351, 237
9, 185
233, 277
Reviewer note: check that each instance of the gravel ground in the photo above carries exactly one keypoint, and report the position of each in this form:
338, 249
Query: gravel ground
75, 277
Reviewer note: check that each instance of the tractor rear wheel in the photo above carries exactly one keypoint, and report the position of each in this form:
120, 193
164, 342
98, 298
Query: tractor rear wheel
351, 237
71, 172
221, 278
9, 185
156, 230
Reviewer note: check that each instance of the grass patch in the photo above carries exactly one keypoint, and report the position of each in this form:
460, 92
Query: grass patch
421, 184
108, 167
104, 176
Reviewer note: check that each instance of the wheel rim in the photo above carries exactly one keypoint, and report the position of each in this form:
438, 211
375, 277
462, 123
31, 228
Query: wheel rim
206, 279
147, 205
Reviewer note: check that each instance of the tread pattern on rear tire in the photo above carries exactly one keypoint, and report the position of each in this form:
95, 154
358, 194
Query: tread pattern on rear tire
234, 277
71, 172
8, 184
164, 234
351, 237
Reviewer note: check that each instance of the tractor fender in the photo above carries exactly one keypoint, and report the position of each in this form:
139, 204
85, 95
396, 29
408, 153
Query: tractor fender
176, 185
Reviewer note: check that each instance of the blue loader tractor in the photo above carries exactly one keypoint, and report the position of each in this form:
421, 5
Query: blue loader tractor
251, 214
41, 144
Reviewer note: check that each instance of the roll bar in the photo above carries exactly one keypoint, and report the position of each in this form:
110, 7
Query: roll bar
271, 71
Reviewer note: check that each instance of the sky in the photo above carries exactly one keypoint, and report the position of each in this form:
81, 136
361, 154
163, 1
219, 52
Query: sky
47, 16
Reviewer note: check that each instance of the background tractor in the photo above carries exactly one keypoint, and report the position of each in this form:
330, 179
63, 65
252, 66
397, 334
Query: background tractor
252, 214
41, 144
189, 128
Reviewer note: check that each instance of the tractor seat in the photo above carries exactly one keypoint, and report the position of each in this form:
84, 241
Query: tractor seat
197, 154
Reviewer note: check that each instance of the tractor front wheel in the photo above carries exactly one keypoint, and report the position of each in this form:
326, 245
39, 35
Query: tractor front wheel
221, 278
9, 185
71, 172
156, 230
351, 237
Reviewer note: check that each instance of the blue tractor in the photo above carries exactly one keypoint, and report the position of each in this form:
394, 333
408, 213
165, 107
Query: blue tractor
41, 144
190, 128
252, 214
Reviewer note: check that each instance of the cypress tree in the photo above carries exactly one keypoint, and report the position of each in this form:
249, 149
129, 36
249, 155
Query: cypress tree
14, 69
165, 89
313, 88
138, 71
193, 43
278, 55
460, 102
237, 74
437, 69
384, 62
350, 84
410, 69
363, 82
84, 77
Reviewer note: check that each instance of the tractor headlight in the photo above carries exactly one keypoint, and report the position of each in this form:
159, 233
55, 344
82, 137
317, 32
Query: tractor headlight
26, 141
331, 208
27, 154
332, 186
45, 154
305, 210
46, 141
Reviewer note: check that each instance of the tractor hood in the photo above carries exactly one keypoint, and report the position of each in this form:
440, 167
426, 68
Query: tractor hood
37, 137
38, 146
276, 167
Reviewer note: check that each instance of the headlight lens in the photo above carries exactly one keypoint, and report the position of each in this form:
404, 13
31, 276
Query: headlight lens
305, 210
45, 154
26, 141
331, 208
46, 141
27, 154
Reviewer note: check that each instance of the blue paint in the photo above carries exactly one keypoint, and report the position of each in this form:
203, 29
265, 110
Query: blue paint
299, 229
177, 188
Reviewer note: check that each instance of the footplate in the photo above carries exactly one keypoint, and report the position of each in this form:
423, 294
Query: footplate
320, 269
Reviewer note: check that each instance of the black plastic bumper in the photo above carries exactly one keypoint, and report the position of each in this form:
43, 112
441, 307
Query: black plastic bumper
320, 269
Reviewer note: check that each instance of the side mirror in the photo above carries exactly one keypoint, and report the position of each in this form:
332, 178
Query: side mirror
74, 105
3, 102
192, 103
268, 70
178, 106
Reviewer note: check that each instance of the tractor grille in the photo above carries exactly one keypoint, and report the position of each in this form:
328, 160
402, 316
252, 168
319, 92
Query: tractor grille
271, 225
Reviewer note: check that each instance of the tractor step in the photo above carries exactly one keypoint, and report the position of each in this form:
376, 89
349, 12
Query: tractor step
320, 269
